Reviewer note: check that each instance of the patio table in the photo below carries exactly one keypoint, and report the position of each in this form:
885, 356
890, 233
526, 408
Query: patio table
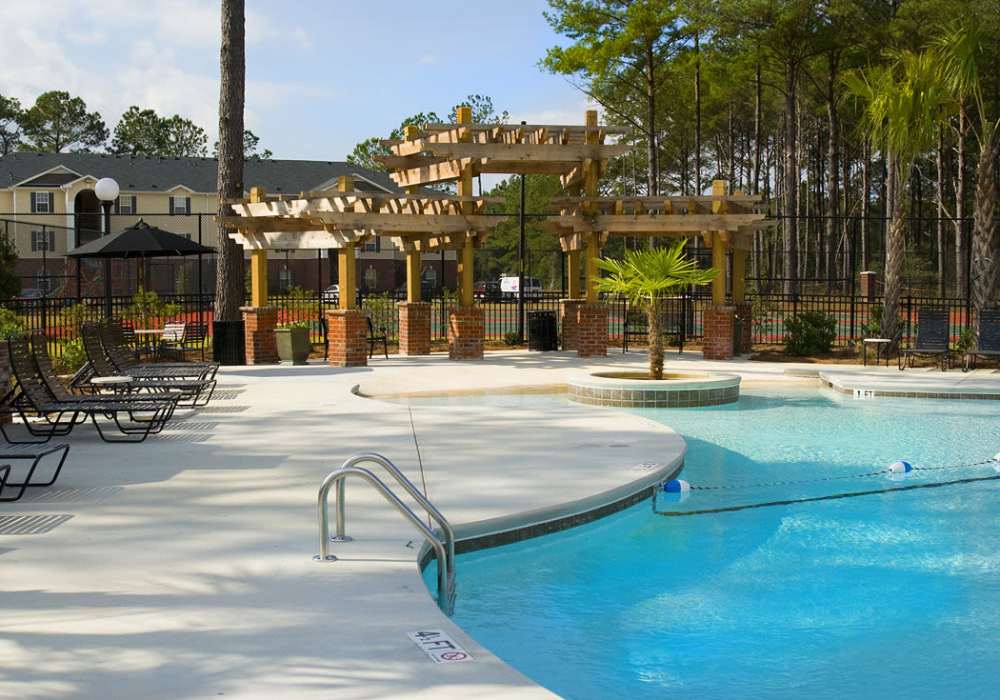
881, 344
147, 337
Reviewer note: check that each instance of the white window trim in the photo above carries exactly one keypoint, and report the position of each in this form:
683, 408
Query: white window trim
50, 201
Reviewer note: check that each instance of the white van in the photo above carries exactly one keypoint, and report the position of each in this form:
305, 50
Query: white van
509, 285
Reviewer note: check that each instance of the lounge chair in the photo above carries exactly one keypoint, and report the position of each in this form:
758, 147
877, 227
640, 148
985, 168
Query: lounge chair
172, 340
116, 348
932, 339
11, 490
146, 416
988, 345
189, 391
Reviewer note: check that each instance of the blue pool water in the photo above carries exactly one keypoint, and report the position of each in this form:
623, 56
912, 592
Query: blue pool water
891, 595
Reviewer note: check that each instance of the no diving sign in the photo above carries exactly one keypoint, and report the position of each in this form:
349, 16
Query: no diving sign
439, 646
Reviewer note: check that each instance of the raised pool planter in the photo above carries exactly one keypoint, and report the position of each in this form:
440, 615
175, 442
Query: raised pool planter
676, 390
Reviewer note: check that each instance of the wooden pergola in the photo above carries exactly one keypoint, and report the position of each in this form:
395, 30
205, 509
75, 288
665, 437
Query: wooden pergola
725, 221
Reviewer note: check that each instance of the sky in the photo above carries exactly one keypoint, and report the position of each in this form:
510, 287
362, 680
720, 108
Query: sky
321, 76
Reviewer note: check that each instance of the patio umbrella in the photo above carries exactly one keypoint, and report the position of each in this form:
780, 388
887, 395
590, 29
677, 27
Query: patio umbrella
138, 241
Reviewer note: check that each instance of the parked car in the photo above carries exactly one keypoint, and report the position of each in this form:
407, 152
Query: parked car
332, 293
488, 290
509, 286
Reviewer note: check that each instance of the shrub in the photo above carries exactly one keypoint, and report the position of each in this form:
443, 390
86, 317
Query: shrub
809, 333
295, 324
72, 358
10, 323
511, 339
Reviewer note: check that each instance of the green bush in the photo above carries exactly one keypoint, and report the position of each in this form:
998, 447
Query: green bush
809, 333
511, 339
295, 324
72, 358
10, 323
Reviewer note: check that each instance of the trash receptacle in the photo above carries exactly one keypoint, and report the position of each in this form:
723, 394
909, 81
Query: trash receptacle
228, 345
542, 331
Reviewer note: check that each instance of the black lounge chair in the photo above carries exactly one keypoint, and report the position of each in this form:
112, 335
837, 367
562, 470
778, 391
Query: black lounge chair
108, 358
146, 416
932, 339
189, 391
988, 345
116, 348
11, 490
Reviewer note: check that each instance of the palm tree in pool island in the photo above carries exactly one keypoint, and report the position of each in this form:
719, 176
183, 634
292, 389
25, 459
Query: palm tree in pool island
644, 277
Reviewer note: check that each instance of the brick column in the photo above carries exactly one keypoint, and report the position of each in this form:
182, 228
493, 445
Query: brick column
347, 337
414, 328
744, 317
466, 330
719, 327
568, 310
261, 343
592, 330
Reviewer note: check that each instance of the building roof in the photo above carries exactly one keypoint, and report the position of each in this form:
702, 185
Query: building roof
146, 174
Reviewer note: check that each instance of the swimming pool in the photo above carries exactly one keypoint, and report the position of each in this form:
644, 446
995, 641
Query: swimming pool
891, 595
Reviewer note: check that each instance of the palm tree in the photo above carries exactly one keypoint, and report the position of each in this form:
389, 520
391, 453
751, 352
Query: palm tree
961, 50
229, 263
643, 277
902, 103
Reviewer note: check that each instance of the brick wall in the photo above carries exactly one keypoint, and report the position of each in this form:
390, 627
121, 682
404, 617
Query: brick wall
592, 330
261, 343
465, 334
568, 310
347, 333
719, 325
414, 328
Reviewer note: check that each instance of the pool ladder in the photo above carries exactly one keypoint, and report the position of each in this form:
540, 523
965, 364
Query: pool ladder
441, 541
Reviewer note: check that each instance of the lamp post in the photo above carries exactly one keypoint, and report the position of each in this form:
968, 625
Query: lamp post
107, 190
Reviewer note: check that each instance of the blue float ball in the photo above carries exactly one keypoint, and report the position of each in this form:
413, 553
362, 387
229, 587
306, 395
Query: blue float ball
901, 467
676, 486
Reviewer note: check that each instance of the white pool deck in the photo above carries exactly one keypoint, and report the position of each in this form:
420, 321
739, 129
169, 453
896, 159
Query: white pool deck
182, 568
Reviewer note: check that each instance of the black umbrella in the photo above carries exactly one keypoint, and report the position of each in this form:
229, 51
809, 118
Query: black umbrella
138, 241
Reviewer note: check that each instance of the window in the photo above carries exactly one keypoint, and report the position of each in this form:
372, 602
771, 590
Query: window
285, 277
125, 204
180, 205
429, 275
43, 241
41, 202
372, 245
371, 278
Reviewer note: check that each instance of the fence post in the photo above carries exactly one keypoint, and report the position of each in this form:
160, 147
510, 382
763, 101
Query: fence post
909, 317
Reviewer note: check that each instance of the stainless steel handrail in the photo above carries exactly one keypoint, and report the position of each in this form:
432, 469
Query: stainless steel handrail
444, 549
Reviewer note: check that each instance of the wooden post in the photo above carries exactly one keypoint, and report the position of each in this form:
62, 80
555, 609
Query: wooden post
346, 260
258, 262
410, 132
719, 189
573, 274
591, 176
466, 257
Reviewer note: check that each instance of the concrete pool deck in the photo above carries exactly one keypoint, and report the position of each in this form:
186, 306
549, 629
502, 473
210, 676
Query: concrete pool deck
182, 568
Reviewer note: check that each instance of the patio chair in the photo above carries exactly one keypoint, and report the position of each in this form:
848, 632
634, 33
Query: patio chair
195, 337
172, 340
989, 338
189, 391
932, 339
144, 417
11, 490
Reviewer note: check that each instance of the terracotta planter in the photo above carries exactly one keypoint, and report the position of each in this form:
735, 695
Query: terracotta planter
293, 345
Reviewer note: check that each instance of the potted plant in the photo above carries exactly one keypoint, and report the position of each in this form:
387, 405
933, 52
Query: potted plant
293, 342
642, 277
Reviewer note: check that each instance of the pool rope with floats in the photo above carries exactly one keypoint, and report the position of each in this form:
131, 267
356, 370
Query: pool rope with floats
681, 489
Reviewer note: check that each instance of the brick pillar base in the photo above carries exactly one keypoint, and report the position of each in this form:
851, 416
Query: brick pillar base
719, 332
466, 331
347, 336
261, 343
592, 330
568, 311
414, 327
744, 317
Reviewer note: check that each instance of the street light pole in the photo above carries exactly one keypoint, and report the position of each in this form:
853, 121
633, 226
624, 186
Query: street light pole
107, 190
